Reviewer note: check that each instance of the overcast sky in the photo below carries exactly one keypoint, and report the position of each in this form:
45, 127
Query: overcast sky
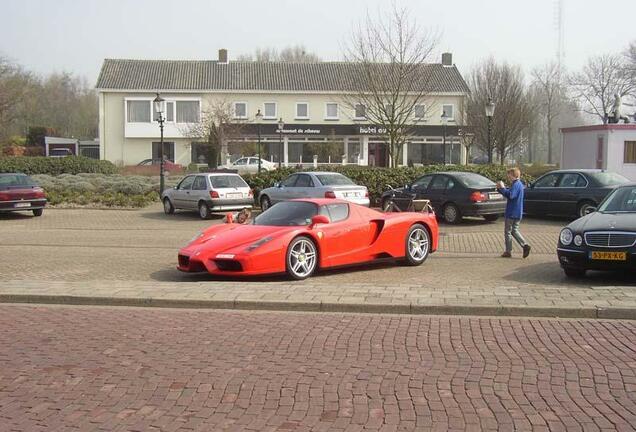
76, 35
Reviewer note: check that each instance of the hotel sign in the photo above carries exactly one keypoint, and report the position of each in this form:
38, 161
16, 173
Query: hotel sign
339, 129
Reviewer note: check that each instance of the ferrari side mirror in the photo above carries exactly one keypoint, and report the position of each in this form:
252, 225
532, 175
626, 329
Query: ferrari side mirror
318, 219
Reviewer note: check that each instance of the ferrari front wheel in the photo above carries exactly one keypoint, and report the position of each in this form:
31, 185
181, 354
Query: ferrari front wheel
302, 258
417, 245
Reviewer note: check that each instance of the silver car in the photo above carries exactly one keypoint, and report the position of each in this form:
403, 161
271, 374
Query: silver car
319, 184
249, 165
208, 193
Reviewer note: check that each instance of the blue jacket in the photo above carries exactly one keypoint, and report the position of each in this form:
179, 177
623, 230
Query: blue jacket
514, 206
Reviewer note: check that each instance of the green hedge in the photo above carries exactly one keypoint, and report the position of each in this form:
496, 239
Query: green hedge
376, 179
56, 166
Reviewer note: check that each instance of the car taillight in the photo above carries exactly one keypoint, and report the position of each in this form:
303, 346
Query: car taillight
366, 194
4, 196
250, 193
330, 194
477, 197
39, 192
214, 194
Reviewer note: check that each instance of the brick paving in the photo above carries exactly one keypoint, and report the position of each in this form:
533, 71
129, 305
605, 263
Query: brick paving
131, 369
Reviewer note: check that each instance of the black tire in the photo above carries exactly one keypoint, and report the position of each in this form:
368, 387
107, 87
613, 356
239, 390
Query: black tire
265, 203
451, 214
582, 207
291, 260
168, 208
204, 211
38, 212
409, 257
491, 218
574, 272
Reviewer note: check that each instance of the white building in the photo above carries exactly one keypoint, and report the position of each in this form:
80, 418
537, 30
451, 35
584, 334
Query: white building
610, 147
307, 96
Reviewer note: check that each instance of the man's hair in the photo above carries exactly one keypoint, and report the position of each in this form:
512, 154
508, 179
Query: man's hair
515, 172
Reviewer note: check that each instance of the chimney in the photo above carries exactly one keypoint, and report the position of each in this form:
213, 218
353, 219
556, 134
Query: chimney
447, 59
222, 55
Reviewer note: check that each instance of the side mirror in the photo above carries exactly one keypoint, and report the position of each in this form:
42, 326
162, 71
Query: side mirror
277, 184
318, 219
590, 210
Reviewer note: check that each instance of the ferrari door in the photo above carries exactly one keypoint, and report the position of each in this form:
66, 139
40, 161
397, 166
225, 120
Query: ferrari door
346, 238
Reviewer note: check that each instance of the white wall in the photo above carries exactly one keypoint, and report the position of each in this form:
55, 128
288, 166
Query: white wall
616, 153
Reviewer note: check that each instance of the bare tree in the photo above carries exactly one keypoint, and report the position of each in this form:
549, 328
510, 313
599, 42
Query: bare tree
218, 125
392, 75
550, 92
292, 54
15, 88
601, 78
504, 85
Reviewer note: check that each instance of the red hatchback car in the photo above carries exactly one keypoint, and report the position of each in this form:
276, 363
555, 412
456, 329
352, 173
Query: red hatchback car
18, 192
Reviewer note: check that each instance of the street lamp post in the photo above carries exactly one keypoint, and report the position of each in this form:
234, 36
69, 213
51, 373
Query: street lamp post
160, 107
490, 112
259, 117
444, 119
281, 125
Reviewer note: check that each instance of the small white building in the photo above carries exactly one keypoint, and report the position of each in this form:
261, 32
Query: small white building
611, 147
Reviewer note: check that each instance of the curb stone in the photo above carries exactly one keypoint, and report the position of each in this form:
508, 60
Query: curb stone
413, 309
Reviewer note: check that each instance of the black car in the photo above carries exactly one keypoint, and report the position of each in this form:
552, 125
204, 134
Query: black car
18, 192
604, 239
569, 192
452, 195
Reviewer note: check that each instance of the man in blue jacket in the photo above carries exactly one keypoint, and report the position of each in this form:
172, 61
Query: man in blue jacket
514, 212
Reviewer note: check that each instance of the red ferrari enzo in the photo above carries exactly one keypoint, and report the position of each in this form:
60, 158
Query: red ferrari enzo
300, 236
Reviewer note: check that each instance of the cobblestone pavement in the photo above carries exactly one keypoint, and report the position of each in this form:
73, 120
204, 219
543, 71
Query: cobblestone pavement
132, 255
127, 369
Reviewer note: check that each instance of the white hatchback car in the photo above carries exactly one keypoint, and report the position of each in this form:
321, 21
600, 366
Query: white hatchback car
208, 193
249, 165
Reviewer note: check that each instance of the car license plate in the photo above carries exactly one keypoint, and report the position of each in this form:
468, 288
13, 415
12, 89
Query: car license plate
495, 196
609, 256
350, 194
234, 195
21, 205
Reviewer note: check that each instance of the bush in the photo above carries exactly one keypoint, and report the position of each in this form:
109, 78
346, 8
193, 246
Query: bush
56, 166
376, 179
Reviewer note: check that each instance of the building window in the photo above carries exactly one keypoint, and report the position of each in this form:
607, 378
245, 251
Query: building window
360, 111
168, 150
302, 110
449, 112
331, 111
269, 109
168, 115
630, 152
138, 111
419, 112
187, 111
240, 110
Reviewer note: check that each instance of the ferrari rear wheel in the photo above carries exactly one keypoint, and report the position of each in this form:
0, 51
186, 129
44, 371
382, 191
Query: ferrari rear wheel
418, 245
302, 258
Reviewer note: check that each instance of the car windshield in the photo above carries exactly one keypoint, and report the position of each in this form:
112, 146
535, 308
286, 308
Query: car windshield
609, 178
288, 213
621, 200
227, 181
15, 180
334, 180
474, 180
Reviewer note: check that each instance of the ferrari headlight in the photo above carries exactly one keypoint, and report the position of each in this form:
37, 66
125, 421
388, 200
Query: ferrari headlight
566, 236
258, 244
578, 240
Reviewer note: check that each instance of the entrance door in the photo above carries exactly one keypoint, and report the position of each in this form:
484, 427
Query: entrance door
377, 154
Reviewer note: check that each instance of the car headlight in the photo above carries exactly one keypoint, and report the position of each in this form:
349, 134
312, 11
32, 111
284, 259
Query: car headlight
258, 244
578, 240
566, 236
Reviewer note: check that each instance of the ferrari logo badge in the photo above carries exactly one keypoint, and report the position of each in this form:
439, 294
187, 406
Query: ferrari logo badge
320, 234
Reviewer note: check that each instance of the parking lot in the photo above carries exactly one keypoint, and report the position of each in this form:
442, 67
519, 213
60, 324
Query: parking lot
79, 245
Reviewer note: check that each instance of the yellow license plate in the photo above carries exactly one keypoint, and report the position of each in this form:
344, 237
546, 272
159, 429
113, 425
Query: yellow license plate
609, 256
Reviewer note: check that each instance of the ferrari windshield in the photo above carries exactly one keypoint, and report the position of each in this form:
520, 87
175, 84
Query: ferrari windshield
622, 200
288, 213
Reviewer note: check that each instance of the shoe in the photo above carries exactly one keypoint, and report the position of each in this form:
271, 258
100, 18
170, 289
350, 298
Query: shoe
506, 255
526, 250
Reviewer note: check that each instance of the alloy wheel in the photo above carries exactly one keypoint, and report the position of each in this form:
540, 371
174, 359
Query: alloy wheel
418, 244
302, 258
